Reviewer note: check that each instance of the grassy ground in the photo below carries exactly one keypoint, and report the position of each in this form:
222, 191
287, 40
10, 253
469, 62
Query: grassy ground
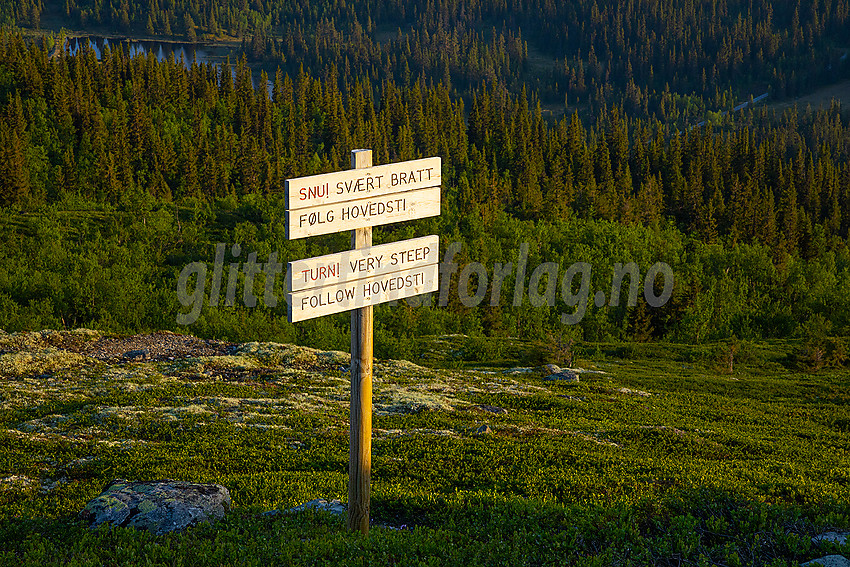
654, 457
821, 98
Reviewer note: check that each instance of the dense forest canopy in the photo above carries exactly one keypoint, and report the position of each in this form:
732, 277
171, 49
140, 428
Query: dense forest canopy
675, 62
122, 170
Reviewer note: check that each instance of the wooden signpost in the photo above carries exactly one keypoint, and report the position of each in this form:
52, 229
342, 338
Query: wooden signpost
356, 200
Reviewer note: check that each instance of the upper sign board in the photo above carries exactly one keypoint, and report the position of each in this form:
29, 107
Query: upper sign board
351, 265
371, 182
373, 211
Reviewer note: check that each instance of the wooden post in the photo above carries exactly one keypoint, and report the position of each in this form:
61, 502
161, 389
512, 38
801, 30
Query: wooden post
360, 446
413, 187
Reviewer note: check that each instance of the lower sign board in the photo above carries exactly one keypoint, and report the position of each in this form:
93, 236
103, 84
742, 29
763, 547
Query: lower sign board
361, 263
348, 215
373, 290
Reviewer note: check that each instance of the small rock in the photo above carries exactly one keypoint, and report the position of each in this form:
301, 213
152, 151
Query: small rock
835, 537
483, 430
333, 506
828, 561
493, 409
158, 507
144, 354
48, 485
634, 392
565, 375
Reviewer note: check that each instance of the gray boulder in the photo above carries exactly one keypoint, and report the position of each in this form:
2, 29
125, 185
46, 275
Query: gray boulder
565, 375
548, 369
836, 537
483, 430
555, 372
159, 507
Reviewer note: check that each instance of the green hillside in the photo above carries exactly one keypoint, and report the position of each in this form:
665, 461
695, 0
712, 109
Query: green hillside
647, 460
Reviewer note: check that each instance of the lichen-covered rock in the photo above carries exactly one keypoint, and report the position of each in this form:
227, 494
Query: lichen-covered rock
37, 361
158, 507
548, 369
394, 400
276, 354
33, 341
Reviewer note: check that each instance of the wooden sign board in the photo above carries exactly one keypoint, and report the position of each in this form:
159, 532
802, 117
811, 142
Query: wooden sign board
355, 184
361, 263
316, 302
373, 211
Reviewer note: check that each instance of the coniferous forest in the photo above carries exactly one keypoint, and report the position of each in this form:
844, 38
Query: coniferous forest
545, 406
601, 133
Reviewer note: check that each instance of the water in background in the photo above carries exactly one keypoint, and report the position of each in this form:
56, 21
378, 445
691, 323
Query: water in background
186, 52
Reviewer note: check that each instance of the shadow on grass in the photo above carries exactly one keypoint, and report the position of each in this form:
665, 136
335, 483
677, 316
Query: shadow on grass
702, 526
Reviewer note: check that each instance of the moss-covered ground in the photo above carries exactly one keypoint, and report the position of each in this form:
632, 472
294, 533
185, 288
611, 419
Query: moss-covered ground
657, 456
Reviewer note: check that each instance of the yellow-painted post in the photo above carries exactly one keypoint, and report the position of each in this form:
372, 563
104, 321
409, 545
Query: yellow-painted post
360, 447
